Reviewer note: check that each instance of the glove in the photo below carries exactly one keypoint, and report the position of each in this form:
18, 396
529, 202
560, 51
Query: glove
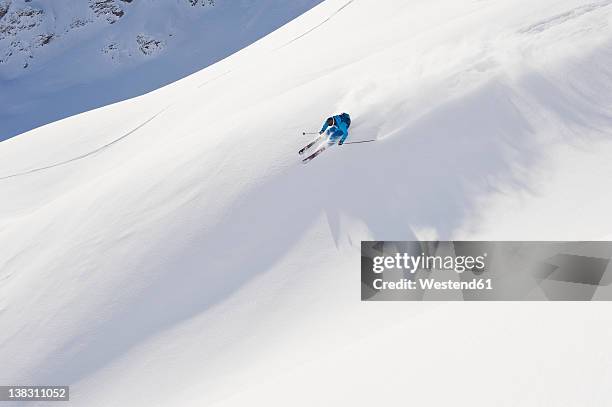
340, 142
321, 132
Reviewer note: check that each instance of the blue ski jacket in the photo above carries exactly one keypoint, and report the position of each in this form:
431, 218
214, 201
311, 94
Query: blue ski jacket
340, 128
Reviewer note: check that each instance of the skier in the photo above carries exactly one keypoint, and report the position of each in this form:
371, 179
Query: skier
336, 130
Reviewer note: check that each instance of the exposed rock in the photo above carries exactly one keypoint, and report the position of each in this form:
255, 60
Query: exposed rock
201, 2
149, 45
4, 6
44, 39
111, 50
107, 9
15, 49
25, 28
20, 20
78, 22
110, 47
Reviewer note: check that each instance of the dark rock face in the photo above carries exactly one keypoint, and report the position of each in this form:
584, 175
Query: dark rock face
4, 6
44, 39
202, 2
108, 9
78, 23
20, 20
149, 45
25, 28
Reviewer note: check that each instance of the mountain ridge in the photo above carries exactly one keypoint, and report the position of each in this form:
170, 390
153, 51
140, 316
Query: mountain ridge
65, 57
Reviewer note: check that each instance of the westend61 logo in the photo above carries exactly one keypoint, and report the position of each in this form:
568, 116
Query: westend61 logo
405, 261
489, 271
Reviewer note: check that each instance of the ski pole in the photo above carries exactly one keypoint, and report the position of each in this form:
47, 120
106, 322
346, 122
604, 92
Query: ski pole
359, 142
308, 133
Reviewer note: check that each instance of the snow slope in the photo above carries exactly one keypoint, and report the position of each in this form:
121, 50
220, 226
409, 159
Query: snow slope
172, 250
63, 57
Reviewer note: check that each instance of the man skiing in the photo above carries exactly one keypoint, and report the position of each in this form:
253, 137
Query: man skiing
336, 130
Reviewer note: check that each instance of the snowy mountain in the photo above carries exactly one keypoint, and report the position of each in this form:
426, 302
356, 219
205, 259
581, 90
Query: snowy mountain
63, 57
171, 249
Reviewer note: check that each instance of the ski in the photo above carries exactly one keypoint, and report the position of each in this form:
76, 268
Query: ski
303, 150
313, 155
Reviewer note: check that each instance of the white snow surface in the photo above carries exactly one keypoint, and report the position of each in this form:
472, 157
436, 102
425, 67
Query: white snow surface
172, 250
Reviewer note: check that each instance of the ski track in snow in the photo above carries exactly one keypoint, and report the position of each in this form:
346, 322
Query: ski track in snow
318, 25
564, 17
213, 79
88, 154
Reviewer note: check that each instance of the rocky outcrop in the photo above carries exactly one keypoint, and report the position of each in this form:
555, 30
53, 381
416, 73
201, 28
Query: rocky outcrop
44, 39
78, 23
149, 45
4, 6
26, 26
20, 20
108, 9
202, 2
